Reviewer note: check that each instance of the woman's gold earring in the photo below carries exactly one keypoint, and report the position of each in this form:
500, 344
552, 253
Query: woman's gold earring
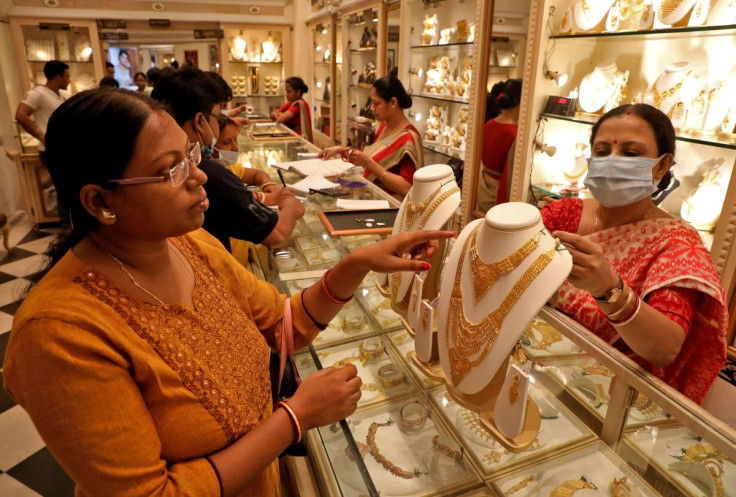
109, 216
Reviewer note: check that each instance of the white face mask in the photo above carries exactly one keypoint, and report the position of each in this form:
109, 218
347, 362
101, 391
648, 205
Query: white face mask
207, 150
616, 181
228, 156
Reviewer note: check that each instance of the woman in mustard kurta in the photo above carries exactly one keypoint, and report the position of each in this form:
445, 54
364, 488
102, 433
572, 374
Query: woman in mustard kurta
142, 354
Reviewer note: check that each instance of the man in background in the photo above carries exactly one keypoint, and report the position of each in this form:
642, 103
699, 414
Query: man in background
35, 109
109, 70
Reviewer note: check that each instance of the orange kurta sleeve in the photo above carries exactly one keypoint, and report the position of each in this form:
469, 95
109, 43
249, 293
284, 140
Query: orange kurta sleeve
80, 394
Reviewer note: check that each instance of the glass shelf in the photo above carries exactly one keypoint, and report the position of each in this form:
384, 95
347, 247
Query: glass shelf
462, 44
654, 32
441, 99
252, 62
441, 150
700, 141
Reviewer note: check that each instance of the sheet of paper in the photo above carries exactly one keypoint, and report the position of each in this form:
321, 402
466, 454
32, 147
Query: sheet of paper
330, 167
314, 181
343, 203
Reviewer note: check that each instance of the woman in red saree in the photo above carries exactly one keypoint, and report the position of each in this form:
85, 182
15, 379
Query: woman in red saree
295, 112
396, 152
641, 280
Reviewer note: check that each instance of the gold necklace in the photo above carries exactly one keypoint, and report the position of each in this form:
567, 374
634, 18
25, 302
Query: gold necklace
412, 210
381, 459
395, 278
132, 280
666, 7
463, 338
566, 489
659, 95
485, 275
549, 334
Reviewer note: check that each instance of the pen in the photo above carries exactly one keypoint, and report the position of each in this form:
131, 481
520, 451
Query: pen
281, 177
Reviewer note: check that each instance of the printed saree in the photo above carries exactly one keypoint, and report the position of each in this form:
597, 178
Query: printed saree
390, 150
654, 254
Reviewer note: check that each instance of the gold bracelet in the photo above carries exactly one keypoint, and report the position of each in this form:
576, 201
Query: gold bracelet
385, 172
345, 361
267, 184
386, 304
354, 321
615, 315
381, 459
371, 349
445, 450
522, 484
389, 375
589, 369
619, 487
566, 489
413, 415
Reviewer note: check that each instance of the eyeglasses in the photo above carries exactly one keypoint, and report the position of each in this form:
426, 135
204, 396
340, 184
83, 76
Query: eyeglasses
178, 173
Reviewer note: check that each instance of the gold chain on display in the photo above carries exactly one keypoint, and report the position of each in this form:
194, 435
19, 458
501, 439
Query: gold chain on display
549, 334
514, 390
395, 278
569, 487
522, 484
412, 210
465, 339
380, 458
589, 369
487, 274
619, 487
645, 405
657, 95
667, 7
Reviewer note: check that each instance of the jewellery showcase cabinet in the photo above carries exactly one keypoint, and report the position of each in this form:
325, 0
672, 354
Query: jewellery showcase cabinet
674, 54
608, 427
325, 85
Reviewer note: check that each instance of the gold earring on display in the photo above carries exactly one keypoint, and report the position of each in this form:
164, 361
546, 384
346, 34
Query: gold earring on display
109, 216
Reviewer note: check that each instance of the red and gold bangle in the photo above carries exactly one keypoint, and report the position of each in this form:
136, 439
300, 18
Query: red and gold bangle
294, 419
344, 154
329, 293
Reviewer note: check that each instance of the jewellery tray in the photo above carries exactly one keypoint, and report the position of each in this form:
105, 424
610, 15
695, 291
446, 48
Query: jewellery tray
403, 344
569, 368
408, 449
594, 460
379, 308
346, 222
649, 446
555, 435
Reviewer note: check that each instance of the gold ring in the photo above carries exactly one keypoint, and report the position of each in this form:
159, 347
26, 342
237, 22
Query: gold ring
445, 450
371, 349
413, 415
358, 219
390, 375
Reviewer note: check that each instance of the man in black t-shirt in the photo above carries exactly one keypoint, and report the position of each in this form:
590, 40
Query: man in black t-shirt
192, 99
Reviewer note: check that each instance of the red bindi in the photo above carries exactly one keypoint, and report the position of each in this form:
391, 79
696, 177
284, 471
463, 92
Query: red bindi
628, 112
615, 142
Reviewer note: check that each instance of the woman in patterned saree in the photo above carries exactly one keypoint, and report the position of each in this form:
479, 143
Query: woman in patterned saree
142, 355
641, 280
295, 113
396, 151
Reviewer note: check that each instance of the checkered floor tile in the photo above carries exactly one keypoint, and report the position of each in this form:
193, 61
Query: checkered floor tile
27, 468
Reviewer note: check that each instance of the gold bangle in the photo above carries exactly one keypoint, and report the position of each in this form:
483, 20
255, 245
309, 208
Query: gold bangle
621, 311
385, 172
371, 349
267, 184
445, 450
413, 415
389, 375
354, 321
294, 420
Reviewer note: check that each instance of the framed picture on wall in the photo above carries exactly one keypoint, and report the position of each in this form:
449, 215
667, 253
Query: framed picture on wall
191, 57
125, 60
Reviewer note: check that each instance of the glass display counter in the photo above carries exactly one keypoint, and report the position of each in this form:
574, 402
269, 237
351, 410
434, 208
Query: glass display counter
608, 427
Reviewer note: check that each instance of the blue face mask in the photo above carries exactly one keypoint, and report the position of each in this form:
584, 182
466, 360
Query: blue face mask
616, 181
207, 150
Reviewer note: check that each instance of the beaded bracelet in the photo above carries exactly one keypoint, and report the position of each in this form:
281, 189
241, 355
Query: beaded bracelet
294, 419
329, 293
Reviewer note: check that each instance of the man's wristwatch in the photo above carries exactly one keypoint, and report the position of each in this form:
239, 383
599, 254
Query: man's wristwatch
613, 295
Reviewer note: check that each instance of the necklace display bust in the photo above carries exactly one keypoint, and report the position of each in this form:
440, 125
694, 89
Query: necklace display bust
589, 15
532, 267
432, 200
677, 83
683, 12
601, 89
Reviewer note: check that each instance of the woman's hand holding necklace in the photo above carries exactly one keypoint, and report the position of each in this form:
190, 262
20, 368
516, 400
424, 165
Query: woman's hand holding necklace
590, 269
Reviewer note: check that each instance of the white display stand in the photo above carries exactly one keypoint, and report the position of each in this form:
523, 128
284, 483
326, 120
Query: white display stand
590, 15
600, 87
435, 182
679, 73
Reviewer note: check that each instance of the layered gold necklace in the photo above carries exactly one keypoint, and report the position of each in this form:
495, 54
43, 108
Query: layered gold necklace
395, 278
485, 275
465, 339
658, 95
412, 210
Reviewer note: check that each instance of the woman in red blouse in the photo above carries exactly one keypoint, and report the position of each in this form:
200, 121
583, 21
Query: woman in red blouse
396, 151
295, 112
641, 280
499, 137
